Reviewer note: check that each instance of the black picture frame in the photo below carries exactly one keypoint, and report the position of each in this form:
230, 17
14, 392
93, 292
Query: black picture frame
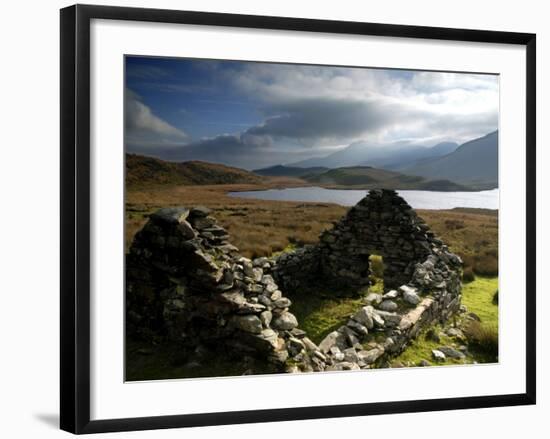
75, 217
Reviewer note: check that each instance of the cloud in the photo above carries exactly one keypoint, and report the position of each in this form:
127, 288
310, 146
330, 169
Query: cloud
328, 120
310, 111
145, 128
319, 105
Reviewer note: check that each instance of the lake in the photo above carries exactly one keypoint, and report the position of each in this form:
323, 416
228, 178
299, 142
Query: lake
417, 199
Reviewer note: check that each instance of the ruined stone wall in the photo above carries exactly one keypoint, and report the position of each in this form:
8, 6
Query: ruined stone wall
187, 283
382, 224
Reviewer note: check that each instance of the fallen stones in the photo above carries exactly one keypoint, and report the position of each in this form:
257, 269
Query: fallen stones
365, 317
438, 355
451, 352
335, 338
410, 295
388, 305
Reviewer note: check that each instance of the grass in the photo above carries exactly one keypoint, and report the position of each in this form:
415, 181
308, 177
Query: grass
477, 296
320, 314
262, 227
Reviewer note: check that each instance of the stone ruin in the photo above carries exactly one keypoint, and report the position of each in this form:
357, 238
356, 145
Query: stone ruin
187, 283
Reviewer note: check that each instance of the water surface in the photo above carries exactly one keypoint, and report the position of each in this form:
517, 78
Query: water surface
344, 197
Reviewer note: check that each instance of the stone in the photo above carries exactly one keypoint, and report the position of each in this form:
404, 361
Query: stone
365, 316
411, 296
200, 211
438, 355
248, 323
310, 346
371, 355
265, 318
373, 298
283, 302
455, 332
451, 352
391, 319
358, 328
432, 335
350, 355
335, 338
170, 215
186, 230
473, 316
295, 346
392, 294
424, 363
388, 305
285, 321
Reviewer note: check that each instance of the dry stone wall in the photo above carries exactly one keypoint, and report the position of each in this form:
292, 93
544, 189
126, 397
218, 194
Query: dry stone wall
187, 283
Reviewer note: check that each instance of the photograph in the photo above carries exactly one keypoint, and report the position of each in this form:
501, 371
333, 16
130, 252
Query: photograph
295, 218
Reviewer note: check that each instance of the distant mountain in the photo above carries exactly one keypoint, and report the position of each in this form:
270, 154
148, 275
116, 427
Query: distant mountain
289, 171
368, 177
147, 171
472, 163
392, 156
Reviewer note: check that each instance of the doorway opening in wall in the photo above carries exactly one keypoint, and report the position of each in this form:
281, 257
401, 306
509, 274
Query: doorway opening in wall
376, 277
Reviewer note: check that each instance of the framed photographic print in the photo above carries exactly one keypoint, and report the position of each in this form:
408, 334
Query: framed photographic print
268, 218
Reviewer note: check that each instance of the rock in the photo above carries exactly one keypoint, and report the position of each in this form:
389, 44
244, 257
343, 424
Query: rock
248, 323
170, 215
432, 335
473, 316
266, 317
358, 328
451, 352
283, 302
267, 279
335, 338
186, 230
393, 294
388, 305
438, 355
295, 346
310, 346
410, 296
350, 355
373, 299
391, 319
455, 332
200, 212
285, 321
424, 363
365, 316
371, 355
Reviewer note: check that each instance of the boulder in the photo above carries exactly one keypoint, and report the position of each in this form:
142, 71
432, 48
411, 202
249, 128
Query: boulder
388, 305
438, 355
248, 323
285, 321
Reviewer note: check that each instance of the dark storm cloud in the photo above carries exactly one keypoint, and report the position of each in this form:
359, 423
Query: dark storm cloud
330, 119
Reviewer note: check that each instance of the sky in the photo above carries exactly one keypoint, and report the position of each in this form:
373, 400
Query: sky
254, 114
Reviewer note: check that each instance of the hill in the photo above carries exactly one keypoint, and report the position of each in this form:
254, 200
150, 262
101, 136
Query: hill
472, 163
369, 178
148, 171
289, 171
392, 156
